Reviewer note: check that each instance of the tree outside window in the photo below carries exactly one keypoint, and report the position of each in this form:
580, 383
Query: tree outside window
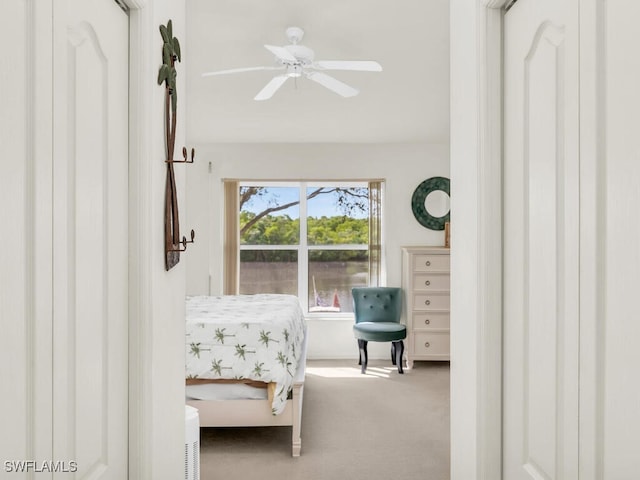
310, 240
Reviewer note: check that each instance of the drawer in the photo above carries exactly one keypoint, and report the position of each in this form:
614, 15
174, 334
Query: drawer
430, 320
431, 301
431, 263
431, 281
431, 343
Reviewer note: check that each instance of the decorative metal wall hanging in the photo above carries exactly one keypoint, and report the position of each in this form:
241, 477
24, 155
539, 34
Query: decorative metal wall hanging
173, 245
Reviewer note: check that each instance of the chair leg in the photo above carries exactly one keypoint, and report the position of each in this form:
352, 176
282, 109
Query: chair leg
364, 356
398, 348
393, 353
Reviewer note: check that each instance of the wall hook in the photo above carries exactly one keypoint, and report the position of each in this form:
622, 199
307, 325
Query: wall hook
184, 155
184, 243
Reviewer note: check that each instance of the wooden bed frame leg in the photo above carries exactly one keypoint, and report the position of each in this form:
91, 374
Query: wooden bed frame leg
296, 440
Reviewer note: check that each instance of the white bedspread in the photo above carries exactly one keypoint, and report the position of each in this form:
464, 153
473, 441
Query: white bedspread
258, 337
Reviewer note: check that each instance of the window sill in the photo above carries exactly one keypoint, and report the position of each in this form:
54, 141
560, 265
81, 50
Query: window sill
330, 317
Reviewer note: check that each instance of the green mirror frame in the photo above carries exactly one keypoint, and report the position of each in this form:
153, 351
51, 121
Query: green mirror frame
418, 203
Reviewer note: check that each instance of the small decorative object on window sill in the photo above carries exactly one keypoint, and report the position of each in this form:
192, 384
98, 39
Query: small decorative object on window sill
173, 245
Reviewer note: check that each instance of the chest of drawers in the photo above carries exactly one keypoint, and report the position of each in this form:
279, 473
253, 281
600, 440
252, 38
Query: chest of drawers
426, 285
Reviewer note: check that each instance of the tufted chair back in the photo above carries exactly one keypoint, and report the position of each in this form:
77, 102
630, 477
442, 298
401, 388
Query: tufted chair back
377, 304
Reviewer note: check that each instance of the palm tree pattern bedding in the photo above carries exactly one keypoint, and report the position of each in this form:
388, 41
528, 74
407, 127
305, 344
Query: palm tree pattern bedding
257, 337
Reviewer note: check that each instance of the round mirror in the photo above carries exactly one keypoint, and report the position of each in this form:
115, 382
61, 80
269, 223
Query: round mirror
437, 203
430, 203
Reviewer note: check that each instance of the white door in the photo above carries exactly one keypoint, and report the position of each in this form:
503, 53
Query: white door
90, 237
541, 240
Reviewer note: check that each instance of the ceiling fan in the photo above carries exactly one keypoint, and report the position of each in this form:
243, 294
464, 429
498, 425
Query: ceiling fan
296, 60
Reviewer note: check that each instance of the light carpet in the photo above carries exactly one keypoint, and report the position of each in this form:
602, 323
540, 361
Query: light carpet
376, 426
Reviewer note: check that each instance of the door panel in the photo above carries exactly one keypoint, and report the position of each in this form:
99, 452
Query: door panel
541, 241
90, 237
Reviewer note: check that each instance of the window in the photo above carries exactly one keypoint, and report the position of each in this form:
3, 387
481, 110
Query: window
315, 240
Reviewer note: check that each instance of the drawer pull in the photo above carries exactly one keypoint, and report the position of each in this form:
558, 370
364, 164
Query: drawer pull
428, 263
427, 321
427, 302
427, 282
427, 344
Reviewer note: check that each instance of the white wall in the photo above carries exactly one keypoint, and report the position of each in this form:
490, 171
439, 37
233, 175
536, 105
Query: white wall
403, 166
167, 327
465, 149
157, 304
616, 352
25, 351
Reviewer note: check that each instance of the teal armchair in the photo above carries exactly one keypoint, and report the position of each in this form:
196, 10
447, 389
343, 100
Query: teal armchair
377, 319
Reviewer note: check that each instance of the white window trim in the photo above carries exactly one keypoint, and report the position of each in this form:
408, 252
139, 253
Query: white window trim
302, 247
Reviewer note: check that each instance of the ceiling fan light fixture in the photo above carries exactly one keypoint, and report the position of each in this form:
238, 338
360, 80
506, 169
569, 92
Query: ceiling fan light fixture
294, 71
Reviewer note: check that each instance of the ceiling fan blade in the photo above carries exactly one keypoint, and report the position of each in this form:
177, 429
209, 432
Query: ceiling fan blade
282, 53
238, 70
270, 88
332, 84
357, 65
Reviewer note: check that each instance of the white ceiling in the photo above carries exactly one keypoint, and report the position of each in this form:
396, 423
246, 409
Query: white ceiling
407, 102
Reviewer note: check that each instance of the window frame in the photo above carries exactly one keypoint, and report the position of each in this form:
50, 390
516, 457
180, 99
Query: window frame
303, 246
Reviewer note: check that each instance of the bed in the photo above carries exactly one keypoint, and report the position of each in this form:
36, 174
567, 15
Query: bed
245, 361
